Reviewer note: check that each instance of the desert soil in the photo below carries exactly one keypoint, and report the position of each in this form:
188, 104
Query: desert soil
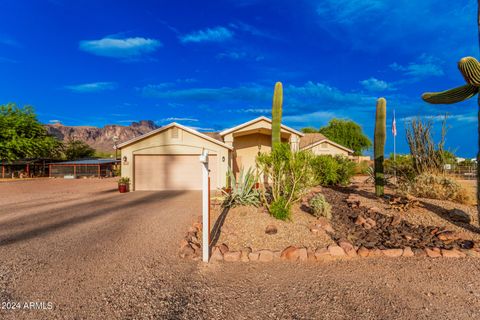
97, 254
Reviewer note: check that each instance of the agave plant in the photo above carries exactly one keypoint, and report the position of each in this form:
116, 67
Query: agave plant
243, 189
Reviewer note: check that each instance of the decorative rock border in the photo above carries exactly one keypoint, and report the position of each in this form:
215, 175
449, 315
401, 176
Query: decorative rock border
333, 252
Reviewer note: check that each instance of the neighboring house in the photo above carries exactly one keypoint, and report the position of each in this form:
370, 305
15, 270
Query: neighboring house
319, 144
167, 158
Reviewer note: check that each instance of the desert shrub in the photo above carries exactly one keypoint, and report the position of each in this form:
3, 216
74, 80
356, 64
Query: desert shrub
288, 175
332, 171
404, 167
280, 209
345, 170
243, 191
362, 167
320, 206
436, 187
325, 170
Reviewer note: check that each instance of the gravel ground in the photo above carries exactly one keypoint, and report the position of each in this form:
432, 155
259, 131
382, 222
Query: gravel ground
245, 227
97, 254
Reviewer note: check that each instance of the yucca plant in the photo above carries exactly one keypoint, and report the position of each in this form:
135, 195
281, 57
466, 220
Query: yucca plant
243, 190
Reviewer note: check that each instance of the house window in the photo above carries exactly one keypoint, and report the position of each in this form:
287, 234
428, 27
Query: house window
174, 133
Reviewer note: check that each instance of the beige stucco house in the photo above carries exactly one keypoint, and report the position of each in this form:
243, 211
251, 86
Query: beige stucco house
168, 158
319, 144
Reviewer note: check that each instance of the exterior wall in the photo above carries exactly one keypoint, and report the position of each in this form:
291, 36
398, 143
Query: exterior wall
165, 143
247, 148
327, 148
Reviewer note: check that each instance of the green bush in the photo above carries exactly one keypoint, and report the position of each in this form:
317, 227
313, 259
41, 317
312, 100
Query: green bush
124, 180
288, 176
345, 170
280, 209
404, 166
243, 191
320, 206
436, 187
332, 171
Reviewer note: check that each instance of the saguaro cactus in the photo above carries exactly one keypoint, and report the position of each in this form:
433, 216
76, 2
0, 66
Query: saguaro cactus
277, 113
470, 69
379, 145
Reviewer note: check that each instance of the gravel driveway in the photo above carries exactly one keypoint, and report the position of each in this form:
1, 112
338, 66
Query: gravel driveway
87, 252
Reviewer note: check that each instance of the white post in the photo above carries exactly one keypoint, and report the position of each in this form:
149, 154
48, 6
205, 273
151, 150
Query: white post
205, 208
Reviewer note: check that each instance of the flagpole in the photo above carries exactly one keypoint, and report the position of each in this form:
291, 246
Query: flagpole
395, 151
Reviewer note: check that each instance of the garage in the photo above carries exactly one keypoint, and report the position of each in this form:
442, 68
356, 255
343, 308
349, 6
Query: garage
171, 172
167, 158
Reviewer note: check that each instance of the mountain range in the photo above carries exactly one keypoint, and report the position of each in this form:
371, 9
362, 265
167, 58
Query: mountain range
101, 139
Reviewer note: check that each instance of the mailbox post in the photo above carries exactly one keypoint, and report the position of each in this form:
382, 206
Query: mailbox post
205, 207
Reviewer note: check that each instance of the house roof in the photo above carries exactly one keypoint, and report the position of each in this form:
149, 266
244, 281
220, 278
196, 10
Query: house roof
87, 161
310, 140
214, 135
245, 124
168, 126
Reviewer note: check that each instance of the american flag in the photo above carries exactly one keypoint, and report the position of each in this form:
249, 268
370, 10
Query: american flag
394, 125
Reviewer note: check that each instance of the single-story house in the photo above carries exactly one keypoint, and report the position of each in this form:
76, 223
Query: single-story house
83, 168
319, 144
167, 158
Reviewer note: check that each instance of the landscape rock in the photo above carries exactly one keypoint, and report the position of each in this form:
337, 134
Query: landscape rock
302, 254
253, 256
375, 253
448, 236
232, 256
336, 251
407, 252
223, 248
277, 255
348, 248
420, 253
290, 253
187, 251
371, 222
271, 229
392, 253
433, 252
363, 252
360, 220
311, 255
374, 210
322, 254
457, 215
265, 256
245, 254
453, 253
217, 255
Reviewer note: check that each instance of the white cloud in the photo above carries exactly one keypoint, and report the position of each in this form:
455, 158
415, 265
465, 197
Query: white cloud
217, 34
173, 119
313, 117
201, 128
92, 87
120, 48
54, 121
374, 84
425, 66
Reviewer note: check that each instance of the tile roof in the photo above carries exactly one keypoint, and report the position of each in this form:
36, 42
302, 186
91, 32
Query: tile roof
311, 138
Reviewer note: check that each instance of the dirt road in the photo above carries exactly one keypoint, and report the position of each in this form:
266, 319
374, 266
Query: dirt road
87, 252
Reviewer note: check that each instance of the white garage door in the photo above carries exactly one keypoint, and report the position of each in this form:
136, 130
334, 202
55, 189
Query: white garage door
171, 172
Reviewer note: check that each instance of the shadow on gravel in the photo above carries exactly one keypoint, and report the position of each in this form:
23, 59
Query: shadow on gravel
118, 206
216, 230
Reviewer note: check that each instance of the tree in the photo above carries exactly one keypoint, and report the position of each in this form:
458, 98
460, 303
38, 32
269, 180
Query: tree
348, 134
309, 130
23, 136
77, 149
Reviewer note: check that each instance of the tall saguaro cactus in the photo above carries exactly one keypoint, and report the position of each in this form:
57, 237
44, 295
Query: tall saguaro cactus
470, 69
277, 113
379, 145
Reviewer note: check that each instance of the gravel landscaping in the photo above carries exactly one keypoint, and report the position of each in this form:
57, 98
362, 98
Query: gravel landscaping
98, 254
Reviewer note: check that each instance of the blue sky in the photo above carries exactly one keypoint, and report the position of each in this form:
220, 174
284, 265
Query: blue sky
213, 64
